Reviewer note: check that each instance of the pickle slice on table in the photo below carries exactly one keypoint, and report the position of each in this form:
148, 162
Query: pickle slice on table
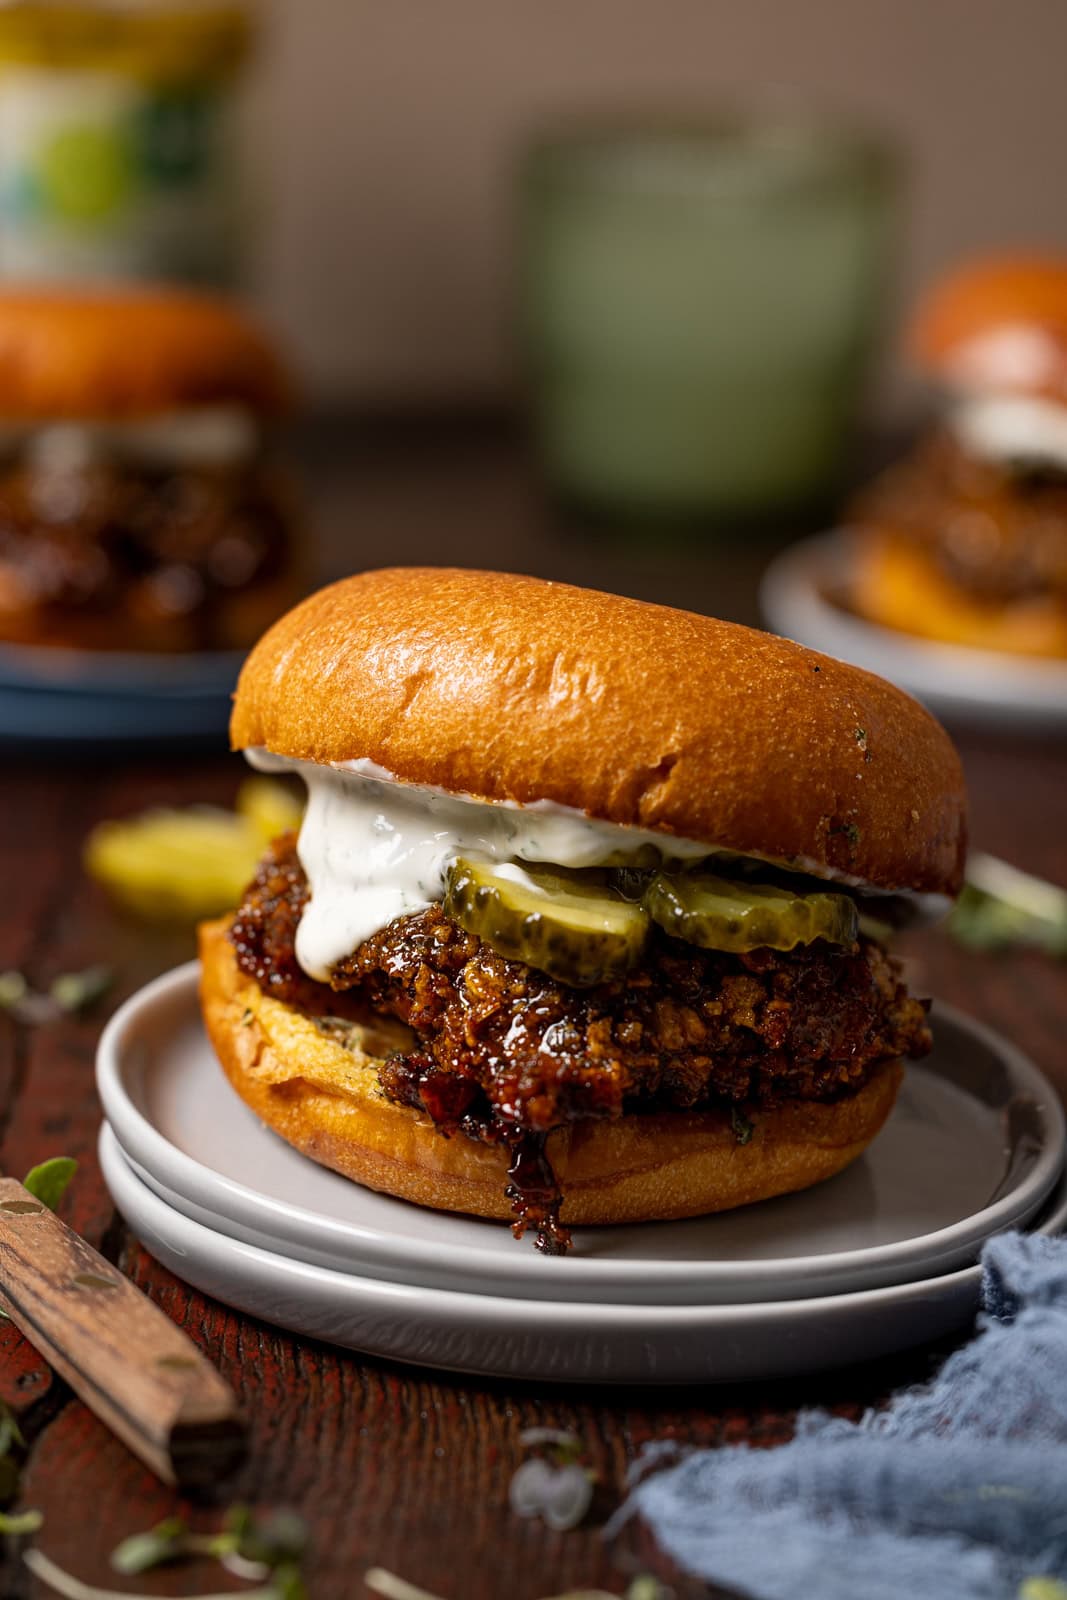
193, 862
574, 927
718, 914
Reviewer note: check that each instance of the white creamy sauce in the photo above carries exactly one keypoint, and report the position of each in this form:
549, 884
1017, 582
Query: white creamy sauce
1012, 427
1014, 356
373, 849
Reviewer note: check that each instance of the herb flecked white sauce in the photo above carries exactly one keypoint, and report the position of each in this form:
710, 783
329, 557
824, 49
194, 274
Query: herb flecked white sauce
373, 848
1012, 428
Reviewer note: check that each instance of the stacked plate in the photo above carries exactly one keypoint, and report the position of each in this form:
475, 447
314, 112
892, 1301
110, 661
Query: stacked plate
880, 1258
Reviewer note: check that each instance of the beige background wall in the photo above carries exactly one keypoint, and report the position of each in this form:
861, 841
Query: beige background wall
387, 129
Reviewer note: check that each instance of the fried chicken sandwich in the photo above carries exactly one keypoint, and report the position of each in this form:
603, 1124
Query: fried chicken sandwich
142, 507
574, 930
965, 539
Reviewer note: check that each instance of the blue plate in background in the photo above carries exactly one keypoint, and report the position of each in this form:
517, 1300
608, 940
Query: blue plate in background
52, 698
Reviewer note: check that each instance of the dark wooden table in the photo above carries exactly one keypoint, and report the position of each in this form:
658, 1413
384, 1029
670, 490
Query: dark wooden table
403, 1468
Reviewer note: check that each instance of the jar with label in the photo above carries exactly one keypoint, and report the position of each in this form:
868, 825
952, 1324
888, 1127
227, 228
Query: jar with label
119, 151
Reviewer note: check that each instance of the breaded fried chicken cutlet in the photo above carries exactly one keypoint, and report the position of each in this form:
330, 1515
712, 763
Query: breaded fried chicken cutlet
571, 932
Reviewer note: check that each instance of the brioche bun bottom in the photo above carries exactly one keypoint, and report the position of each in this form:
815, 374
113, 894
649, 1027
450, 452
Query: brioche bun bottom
898, 586
324, 1098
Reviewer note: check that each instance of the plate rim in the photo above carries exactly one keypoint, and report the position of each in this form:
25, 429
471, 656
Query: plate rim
990, 681
583, 1314
182, 1174
62, 669
952, 1297
124, 701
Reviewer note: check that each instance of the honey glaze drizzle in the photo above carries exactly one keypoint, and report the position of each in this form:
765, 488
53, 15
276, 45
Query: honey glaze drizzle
457, 1108
534, 1192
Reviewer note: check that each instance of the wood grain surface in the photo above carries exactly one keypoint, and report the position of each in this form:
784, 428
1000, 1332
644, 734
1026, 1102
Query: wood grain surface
402, 1468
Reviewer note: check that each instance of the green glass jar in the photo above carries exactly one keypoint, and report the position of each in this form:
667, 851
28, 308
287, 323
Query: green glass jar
698, 304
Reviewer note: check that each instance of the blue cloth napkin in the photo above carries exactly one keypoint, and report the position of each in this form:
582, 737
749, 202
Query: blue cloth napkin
956, 1491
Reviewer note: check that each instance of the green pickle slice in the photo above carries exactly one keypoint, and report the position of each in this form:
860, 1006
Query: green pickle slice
716, 914
574, 927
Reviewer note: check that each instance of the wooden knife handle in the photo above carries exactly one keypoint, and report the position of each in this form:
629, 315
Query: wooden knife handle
140, 1373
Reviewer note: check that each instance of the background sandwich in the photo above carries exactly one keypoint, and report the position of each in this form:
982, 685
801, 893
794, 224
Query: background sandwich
140, 504
966, 539
572, 929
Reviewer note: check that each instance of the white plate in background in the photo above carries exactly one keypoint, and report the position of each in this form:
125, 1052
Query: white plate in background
985, 687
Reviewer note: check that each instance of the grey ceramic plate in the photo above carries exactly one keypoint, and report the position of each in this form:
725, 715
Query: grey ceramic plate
57, 698
987, 687
974, 1145
555, 1340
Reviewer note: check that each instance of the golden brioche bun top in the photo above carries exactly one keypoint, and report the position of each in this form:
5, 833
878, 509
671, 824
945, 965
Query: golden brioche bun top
131, 352
1018, 294
510, 688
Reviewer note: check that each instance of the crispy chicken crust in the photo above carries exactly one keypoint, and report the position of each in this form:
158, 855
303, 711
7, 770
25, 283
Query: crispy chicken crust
502, 1047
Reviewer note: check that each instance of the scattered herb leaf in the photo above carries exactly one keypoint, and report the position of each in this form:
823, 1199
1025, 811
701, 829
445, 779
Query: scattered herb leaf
268, 1550
741, 1125
276, 1540
552, 1485
143, 1551
13, 987
49, 1180
1001, 907
72, 1588
850, 831
76, 991
247, 1017
379, 1581
71, 992
16, 1523
24, 1004
643, 1587
565, 1447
